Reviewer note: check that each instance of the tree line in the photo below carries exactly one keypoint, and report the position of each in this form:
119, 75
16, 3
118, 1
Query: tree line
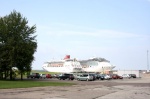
17, 45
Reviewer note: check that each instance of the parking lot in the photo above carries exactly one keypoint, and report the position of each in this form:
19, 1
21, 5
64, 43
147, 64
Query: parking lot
138, 88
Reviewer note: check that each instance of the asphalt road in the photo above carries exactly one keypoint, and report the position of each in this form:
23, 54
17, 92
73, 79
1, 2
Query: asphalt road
108, 83
138, 88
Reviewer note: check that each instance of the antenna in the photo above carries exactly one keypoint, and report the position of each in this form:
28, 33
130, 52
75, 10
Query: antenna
147, 63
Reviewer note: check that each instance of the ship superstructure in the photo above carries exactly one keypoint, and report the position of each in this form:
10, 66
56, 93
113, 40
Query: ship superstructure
96, 65
66, 65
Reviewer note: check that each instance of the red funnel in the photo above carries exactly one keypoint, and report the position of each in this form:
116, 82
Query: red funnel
67, 57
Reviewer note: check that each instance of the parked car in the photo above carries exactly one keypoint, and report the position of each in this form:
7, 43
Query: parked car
76, 75
133, 75
33, 75
94, 76
107, 77
86, 77
126, 76
48, 76
55, 75
100, 76
120, 77
115, 76
43, 76
66, 76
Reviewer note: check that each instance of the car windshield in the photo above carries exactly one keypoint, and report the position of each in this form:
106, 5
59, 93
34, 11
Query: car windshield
85, 75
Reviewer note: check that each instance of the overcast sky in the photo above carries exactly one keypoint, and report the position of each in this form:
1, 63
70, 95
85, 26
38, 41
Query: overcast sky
118, 30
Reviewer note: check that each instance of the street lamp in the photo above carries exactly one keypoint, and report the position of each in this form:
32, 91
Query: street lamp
147, 63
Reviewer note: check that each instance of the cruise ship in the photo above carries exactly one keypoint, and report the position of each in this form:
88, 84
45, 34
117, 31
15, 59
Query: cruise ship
96, 64
66, 65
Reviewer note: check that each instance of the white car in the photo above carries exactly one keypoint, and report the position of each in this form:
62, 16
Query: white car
126, 76
106, 77
43, 76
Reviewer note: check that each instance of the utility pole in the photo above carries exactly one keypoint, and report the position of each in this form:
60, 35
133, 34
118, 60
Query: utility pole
147, 62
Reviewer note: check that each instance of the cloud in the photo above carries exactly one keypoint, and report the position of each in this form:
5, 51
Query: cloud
103, 34
110, 34
71, 35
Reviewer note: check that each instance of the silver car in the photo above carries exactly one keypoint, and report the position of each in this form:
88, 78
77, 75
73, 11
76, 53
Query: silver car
107, 77
126, 76
43, 76
86, 77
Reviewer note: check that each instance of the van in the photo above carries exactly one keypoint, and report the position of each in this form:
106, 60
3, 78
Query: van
86, 77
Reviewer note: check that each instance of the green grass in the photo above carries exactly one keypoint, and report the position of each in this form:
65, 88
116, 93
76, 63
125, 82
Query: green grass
28, 84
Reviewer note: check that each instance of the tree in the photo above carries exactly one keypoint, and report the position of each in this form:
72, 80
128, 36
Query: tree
18, 43
4, 61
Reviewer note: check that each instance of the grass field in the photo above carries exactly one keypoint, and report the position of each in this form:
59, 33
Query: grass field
7, 84
27, 84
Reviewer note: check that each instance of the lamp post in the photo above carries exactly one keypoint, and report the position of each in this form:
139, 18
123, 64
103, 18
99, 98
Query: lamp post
147, 63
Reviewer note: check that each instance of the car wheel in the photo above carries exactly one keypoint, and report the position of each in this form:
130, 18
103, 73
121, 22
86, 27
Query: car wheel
78, 79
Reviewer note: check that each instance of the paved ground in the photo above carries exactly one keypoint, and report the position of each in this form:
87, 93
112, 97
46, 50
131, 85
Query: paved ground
112, 89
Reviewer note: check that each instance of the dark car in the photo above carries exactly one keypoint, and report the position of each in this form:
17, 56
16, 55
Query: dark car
34, 75
100, 76
66, 76
94, 76
133, 75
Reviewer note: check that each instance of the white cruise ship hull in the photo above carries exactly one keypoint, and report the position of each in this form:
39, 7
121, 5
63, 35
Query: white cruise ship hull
63, 69
63, 66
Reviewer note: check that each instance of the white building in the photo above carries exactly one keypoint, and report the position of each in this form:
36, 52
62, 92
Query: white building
121, 72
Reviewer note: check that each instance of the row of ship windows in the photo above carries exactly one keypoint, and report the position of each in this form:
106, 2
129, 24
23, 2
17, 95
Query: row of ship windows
95, 66
75, 66
63, 66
